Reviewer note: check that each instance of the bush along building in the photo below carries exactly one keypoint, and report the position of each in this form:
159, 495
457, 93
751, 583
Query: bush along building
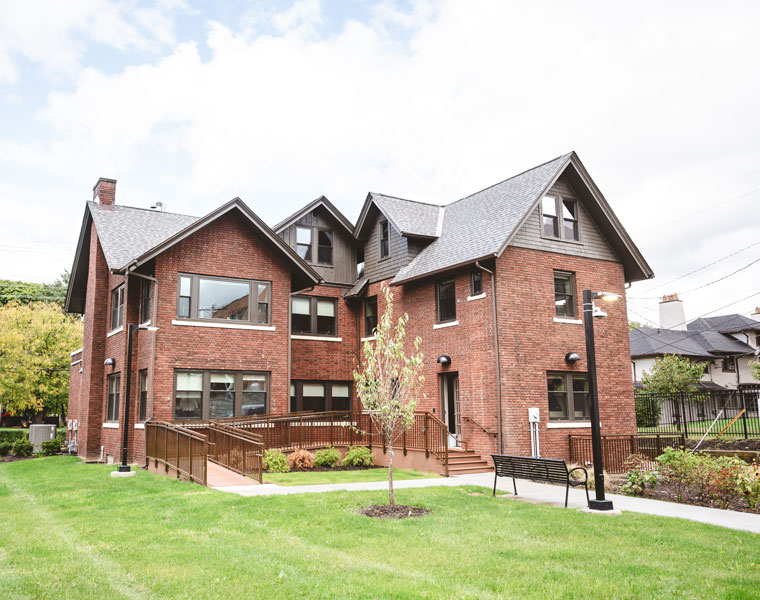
254, 320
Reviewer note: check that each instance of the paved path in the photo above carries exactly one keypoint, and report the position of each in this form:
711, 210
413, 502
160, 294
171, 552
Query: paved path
538, 493
218, 476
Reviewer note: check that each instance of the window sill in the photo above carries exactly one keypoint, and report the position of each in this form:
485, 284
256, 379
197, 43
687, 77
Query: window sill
559, 239
442, 325
115, 331
566, 320
223, 325
368, 339
478, 297
110, 425
139, 425
146, 324
568, 425
316, 338
76, 352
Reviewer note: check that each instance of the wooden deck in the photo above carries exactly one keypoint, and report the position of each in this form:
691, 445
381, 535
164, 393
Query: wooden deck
218, 476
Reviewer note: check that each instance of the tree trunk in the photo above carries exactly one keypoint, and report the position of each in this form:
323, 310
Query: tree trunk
391, 500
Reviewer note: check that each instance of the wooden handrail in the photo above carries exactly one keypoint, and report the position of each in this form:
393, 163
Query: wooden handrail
471, 420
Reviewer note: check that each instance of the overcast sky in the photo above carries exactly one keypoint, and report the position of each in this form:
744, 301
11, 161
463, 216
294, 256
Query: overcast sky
195, 103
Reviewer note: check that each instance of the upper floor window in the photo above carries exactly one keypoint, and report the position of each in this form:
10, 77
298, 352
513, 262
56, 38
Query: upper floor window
145, 300
385, 244
446, 301
143, 405
305, 238
568, 397
117, 307
370, 316
114, 393
217, 298
729, 365
564, 294
325, 246
314, 315
559, 218
757, 340
216, 395
476, 283
303, 242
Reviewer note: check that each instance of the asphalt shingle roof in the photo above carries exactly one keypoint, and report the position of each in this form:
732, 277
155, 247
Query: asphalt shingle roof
409, 216
725, 324
126, 233
646, 341
478, 225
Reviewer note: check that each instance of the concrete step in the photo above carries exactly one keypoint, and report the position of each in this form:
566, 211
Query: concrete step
465, 470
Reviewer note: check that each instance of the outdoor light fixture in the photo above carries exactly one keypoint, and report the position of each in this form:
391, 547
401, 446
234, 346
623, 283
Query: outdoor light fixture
110, 362
589, 312
444, 359
572, 357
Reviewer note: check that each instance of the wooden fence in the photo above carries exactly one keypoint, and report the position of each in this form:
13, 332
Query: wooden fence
617, 448
176, 448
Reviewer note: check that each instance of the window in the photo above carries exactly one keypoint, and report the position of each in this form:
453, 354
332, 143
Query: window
446, 301
757, 340
559, 218
219, 394
568, 397
318, 396
729, 365
216, 298
385, 248
476, 283
117, 307
143, 403
564, 294
324, 246
114, 394
370, 316
313, 315
303, 242
145, 297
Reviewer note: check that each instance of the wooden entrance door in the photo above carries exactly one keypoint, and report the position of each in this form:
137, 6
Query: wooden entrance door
450, 408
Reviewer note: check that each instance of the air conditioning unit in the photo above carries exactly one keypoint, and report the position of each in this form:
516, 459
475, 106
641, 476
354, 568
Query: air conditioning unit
39, 434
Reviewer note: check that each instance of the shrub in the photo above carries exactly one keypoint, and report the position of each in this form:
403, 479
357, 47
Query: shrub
359, 456
328, 457
750, 485
275, 461
683, 469
11, 435
23, 447
638, 476
50, 447
5, 448
301, 459
647, 411
61, 436
725, 481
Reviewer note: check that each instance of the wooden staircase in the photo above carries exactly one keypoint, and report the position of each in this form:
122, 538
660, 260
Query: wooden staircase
462, 462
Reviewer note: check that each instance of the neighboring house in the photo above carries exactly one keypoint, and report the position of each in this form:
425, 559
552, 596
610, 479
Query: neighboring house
725, 344
254, 320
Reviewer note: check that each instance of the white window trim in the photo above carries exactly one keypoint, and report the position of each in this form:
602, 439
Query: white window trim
477, 297
568, 425
76, 351
368, 339
449, 324
139, 425
144, 324
115, 331
223, 325
109, 425
316, 338
565, 320
76, 362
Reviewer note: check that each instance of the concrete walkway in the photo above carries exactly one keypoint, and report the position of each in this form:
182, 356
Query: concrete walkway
538, 493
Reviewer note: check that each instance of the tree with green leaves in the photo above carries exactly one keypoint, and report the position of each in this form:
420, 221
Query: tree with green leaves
388, 382
633, 325
24, 292
36, 340
672, 374
755, 369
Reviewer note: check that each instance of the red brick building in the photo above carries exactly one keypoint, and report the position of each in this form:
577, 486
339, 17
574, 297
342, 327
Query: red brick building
254, 320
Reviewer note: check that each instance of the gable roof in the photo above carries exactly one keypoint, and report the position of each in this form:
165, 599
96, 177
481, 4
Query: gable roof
725, 324
321, 201
649, 341
131, 237
409, 217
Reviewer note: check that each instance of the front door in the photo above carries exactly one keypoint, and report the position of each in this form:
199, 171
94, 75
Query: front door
450, 406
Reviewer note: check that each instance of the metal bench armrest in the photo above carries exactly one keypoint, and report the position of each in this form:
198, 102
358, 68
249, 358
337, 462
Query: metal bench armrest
585, 472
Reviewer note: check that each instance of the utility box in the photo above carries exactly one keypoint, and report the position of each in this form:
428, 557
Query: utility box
39, 434
533, 415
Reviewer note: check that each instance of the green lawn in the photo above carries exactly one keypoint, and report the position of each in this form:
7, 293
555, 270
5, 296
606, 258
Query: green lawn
71, 531
699, 427
319, 477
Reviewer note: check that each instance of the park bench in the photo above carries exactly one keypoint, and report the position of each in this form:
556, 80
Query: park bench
549, 470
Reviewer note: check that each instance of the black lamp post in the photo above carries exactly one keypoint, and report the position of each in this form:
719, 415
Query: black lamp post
599, 503
124, 467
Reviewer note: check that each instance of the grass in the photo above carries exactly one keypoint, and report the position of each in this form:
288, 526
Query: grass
320, 477
699, 427
71, 531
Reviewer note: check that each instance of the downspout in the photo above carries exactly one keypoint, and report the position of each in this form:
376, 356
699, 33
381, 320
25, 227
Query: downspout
500, 441
290, 327
154, 320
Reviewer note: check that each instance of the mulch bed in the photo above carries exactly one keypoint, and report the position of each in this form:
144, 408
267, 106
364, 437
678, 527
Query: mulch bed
12, 458
397, 511
321, 469
725, 444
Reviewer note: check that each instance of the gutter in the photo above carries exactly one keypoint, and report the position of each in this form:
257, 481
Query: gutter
500, 437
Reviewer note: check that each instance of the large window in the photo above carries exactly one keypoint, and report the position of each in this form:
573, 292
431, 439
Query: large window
114, 394
370, 316
219, 394
559, 218
318, 396
305, 238
117, 307
446, 301
314, 316
568, 397
216, 298
143, 404
728, 365
145, 300
385, 244
564, 294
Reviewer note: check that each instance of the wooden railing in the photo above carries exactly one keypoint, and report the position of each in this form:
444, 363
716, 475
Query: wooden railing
236, 449
177, 448
617, 448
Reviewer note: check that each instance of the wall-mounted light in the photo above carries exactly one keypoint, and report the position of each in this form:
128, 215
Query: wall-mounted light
444, 359
572, 357
110, 362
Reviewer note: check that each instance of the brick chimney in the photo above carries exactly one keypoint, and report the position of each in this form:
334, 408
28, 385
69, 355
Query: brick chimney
104, 192
672, 315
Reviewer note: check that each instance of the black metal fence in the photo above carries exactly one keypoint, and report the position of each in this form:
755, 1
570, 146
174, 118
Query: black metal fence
694, 413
